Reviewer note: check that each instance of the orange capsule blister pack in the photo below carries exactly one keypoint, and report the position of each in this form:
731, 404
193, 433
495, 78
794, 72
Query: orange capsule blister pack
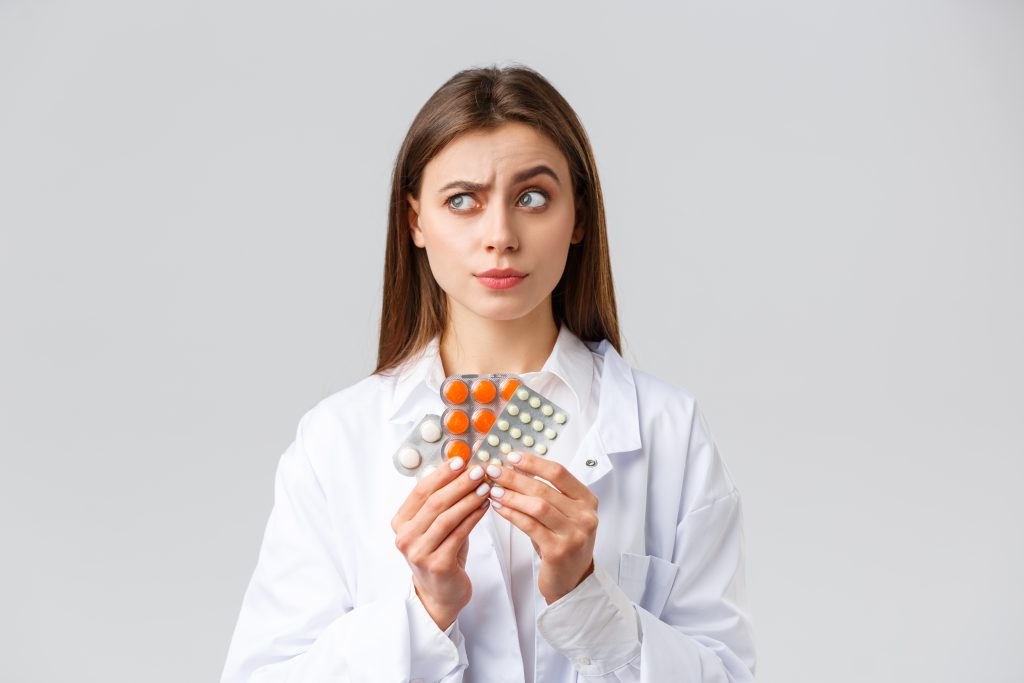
473, 403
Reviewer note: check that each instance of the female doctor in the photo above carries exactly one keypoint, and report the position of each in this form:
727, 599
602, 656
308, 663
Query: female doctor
619, 557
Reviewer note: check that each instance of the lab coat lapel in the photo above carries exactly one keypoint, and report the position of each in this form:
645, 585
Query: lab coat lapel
613, 448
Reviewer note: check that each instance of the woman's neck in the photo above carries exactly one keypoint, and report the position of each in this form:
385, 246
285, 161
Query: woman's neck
476, 345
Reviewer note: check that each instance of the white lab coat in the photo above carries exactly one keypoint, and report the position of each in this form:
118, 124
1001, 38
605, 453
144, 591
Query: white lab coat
330, 597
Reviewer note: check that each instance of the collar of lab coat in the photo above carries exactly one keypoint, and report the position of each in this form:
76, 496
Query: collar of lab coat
618, 426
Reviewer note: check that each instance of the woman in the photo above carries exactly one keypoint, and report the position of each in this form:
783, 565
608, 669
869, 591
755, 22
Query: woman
619, 557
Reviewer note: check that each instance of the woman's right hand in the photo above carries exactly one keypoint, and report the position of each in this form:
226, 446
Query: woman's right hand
432, 531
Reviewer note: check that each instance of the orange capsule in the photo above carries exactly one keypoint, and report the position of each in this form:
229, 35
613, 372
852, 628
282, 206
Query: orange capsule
456, 421
456, 391
457, 449
482, 420
508, 388
484, 390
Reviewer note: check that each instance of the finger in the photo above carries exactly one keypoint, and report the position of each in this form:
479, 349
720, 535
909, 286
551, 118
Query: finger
445, 497
510, 479
554, 472
460, 533
443, 523
445, 473
540, 534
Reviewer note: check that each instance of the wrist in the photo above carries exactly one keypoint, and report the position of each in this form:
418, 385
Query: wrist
443, 616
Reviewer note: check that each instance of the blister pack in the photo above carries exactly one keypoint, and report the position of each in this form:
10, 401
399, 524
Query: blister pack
473, 404
528, 421
420, 452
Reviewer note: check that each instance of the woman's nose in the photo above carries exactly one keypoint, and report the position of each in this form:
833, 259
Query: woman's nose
499, 229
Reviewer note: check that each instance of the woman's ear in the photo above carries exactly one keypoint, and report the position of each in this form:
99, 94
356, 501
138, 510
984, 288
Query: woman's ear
577, 230
414, 220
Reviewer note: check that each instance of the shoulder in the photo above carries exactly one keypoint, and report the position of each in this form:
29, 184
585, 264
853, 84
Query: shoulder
345, 412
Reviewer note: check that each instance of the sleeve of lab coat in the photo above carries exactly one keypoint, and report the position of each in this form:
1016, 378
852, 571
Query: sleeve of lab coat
298, 622
692, 610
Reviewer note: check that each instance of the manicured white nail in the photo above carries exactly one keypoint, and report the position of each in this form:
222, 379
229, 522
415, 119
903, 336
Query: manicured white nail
495, 504
497, 492
476, 472
482, 489
456, 463
514, 457
493, 471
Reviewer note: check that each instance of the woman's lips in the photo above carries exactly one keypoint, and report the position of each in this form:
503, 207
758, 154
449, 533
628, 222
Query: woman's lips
501, 278
500, 282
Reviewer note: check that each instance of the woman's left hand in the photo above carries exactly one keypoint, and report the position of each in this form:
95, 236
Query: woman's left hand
560, 518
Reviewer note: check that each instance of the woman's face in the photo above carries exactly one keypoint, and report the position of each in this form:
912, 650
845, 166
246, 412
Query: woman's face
497, 199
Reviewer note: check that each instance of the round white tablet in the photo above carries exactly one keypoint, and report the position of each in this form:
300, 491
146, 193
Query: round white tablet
547, 410
550, 433
515, 432
560, 418
534, 402
522, 394
527, 440
493, 439
525, 418
537, 425
513, 409
542, 449
503, 425
409, 458
430, 431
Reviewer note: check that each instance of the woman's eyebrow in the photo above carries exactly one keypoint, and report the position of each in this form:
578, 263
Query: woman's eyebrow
519, 177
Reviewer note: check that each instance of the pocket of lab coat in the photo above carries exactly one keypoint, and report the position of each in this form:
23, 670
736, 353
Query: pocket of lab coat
647, 580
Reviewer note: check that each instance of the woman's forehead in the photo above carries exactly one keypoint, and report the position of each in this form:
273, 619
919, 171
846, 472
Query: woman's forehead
495, 155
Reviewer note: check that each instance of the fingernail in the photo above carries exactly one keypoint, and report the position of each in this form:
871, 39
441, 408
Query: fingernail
493, 471
482, 489
514, 457
456, 463
496, 504
497, 492
476, 472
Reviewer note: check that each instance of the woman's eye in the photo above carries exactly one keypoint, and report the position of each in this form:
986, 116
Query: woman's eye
459, 202
539, 199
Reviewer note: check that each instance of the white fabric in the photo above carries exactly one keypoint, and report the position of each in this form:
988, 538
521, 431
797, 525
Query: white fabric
331, 600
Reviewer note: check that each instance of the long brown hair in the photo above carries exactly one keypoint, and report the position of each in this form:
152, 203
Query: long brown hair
413, 308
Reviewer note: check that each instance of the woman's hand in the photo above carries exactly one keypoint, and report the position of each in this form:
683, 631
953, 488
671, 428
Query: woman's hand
560, 518
432, 531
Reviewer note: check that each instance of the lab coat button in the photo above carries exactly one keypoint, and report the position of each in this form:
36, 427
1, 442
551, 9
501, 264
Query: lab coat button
591, 463
583, 661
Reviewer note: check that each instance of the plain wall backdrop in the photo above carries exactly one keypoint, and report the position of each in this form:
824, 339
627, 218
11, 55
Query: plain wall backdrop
817, 227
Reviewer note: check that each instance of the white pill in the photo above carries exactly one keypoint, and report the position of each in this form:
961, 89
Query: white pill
559, 418
515, 432
525, 418
409, 458
522, 394
503, 425
493, 439
534, 402
430, 431
550, 433
537, 425
542, 449
547, 410
483, 455
513, 409
505, 448
528, 440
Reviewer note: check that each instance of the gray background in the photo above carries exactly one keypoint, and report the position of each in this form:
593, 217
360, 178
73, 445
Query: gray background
817, 227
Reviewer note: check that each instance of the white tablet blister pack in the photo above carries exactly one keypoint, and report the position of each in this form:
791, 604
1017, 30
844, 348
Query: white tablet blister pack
420, 451
528, 422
